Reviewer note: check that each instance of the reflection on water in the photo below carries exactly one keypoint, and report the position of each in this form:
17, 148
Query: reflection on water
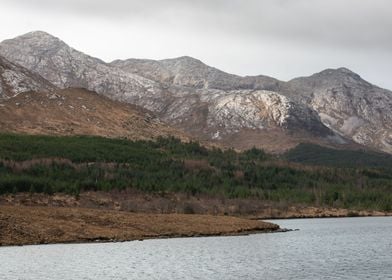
347, 248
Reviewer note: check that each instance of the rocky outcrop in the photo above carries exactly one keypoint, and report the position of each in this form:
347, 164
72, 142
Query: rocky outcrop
15, 80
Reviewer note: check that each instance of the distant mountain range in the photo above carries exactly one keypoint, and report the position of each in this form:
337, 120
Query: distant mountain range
335, 107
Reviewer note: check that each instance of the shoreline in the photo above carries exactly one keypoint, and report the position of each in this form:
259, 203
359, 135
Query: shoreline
20, 226
314, 212
104, 241
321, 217
43, 225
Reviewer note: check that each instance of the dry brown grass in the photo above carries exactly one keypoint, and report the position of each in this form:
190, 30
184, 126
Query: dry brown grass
80, 112
20, 225
134, 201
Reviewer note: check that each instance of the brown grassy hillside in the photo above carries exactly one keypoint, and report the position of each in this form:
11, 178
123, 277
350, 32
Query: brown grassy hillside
79, 112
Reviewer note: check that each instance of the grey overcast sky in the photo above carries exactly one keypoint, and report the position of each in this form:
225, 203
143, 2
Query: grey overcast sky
279, 38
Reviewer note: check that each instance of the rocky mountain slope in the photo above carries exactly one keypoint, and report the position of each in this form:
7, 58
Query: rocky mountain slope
334, 107
15, 79
191, 72
79, 112
348, 105
66, 67
344, 102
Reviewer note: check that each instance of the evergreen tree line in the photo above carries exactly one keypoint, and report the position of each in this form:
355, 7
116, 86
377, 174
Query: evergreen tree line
49, 164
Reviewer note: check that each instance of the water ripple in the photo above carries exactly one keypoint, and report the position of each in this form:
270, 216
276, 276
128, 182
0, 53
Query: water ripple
349, 248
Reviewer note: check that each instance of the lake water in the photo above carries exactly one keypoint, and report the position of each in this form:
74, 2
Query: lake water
347, 248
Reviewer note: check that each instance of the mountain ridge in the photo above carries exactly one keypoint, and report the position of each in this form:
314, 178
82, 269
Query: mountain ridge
334, 106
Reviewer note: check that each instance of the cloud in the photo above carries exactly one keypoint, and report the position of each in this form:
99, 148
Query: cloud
352, 23
284, 38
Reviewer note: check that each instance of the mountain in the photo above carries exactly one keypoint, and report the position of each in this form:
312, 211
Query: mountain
15, 79
345, 103
348, 105
332, 108
31, 104
80, 112
66, 67
191, 72
230, 103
